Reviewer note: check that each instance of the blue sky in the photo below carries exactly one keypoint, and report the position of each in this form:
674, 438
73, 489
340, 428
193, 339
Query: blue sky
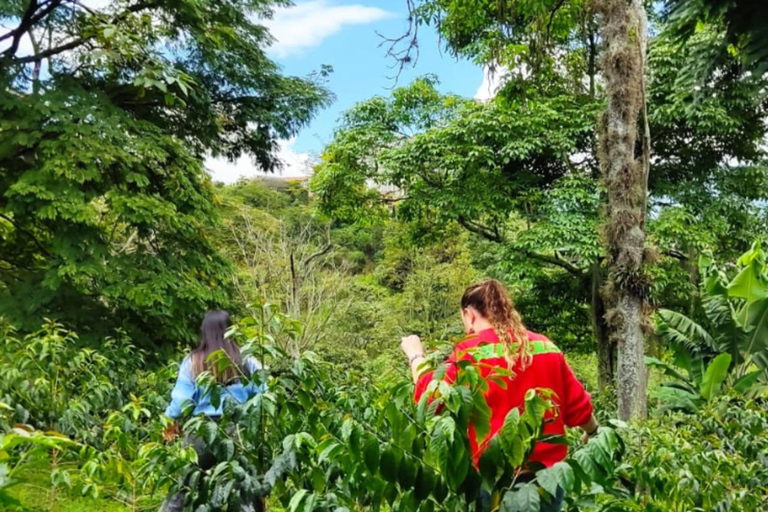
342, 33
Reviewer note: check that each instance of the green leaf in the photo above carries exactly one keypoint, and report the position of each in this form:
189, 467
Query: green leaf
678, 329
346, 429
524, 498
210, 430
536, 408
560, 474
587, 464
458, 467
441, 441
667, 368
328, 450
390, 464
491, 463
371, 454
481, 417
297, 500
318, 480
408, 472
745, 383
425, 482
749, 284
755, 322
714, 376
509, 430
675, 398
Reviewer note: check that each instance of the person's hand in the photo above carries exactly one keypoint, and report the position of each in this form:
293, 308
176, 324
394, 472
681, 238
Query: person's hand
411, 346
585, 437
589, 429
171, 432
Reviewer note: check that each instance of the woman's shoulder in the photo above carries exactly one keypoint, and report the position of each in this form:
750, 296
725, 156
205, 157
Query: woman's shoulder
534, 336
185, 366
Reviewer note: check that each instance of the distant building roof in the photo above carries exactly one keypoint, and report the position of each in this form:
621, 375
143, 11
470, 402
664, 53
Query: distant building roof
286, 179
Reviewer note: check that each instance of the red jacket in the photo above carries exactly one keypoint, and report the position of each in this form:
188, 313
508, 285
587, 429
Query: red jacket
548, 370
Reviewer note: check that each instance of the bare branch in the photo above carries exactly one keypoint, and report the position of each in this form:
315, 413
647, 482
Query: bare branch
494, 236
50, 52
407, 55
18, 32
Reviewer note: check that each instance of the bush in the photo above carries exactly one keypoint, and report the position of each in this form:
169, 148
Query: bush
716, 459
106, 401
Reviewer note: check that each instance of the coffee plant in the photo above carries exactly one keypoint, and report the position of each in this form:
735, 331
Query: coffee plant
715, 459
99, 398
324, 439
21, 448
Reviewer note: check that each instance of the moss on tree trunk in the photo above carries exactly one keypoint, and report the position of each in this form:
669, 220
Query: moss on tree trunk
623, 29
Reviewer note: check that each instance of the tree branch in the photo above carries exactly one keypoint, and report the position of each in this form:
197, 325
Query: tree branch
50, 52
672, 253
393, 200
552, 17
405, 56
24, 24
75, 42
495, 236
27, 233
489, 234
552, 260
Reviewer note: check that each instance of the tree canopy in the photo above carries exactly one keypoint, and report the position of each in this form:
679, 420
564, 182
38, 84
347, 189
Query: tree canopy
104, 202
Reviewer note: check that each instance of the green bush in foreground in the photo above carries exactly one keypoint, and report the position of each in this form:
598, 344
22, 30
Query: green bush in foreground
323, 438
716, 459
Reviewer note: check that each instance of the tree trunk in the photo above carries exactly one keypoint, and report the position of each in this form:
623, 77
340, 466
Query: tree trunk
606, 348
623, 29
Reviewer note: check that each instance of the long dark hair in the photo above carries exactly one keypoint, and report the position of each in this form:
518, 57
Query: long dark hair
213, 338
491, 300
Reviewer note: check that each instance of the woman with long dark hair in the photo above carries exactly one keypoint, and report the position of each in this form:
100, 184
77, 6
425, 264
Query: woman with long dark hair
496, 337
234, 377
213, 338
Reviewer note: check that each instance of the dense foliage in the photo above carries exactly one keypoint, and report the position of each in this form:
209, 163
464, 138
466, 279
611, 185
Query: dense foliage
105, 209
114, 242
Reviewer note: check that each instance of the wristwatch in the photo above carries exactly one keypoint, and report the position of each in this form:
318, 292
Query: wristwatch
414, 357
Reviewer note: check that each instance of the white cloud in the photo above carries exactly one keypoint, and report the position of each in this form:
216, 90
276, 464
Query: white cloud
294, 164
307, 24
492, 81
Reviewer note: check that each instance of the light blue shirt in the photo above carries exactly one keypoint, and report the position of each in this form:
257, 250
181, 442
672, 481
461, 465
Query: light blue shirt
186, 391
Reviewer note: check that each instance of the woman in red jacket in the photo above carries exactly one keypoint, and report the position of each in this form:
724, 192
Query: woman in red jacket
496, 336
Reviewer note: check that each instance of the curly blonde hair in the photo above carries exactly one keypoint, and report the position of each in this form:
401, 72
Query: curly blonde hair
491, 300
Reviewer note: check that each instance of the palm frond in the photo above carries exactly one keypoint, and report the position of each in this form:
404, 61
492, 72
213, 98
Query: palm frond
678, 329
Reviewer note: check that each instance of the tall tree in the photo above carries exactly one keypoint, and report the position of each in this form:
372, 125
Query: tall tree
107, 113
623, 27
520, 172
